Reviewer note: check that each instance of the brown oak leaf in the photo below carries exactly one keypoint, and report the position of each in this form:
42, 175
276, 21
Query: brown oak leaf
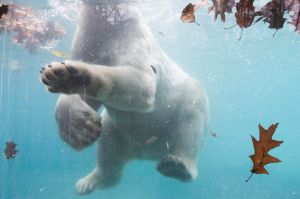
188, 13
293, 7
272, 13
10, 150
261, 148
220, 7
245, 13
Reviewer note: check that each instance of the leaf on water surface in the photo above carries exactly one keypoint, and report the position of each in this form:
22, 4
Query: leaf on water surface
260, 158
188, 13
272, 13
245, 13
293, 7
30, 29
220, 7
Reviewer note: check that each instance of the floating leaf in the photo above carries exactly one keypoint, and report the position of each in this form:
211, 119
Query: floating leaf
188, 13
261, 148
293, 7
220, 7
272, 13
29, 28
245, 14
10, 150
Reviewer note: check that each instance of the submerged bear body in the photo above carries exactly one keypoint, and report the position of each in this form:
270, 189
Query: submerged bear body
152, 109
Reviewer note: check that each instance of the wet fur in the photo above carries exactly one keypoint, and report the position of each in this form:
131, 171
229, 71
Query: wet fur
145, 94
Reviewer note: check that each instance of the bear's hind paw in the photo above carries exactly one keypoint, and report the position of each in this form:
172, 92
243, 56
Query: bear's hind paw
175, 167
87, 184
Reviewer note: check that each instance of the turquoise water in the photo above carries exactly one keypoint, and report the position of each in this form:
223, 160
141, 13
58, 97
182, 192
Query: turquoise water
255, 80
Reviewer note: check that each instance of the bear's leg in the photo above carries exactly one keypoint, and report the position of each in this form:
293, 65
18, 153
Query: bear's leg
181, 161
126, 88
112, 156
79, 124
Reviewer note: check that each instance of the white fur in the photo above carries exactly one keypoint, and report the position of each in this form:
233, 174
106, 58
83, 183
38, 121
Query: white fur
155, 113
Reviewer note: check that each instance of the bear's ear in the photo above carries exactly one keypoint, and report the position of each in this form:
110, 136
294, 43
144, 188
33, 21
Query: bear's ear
153, 68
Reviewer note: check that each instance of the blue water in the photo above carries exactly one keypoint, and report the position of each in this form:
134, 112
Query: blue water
255, 80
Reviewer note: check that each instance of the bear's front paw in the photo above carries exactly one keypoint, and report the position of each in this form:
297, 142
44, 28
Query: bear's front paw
79, 125
80, 131
65, 77
83, 136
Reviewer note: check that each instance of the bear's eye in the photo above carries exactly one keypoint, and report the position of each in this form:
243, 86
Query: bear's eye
153, 68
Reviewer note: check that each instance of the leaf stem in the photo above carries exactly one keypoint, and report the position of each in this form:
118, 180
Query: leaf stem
249, 176
241, 34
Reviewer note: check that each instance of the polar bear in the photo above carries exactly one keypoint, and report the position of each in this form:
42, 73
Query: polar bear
151, 108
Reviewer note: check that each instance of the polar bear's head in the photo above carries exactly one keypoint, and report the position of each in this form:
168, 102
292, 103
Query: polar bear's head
104, 2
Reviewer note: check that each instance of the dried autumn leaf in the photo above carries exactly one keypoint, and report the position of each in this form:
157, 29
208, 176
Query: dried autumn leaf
220, 7
245, 13
293, 7
29, 28
188, 13
10, 150
272, 13
261, 148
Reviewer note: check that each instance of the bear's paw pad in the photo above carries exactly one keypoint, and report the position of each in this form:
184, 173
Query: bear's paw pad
65, 77
175, 167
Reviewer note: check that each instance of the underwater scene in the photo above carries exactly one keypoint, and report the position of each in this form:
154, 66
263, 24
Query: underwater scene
160, 135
